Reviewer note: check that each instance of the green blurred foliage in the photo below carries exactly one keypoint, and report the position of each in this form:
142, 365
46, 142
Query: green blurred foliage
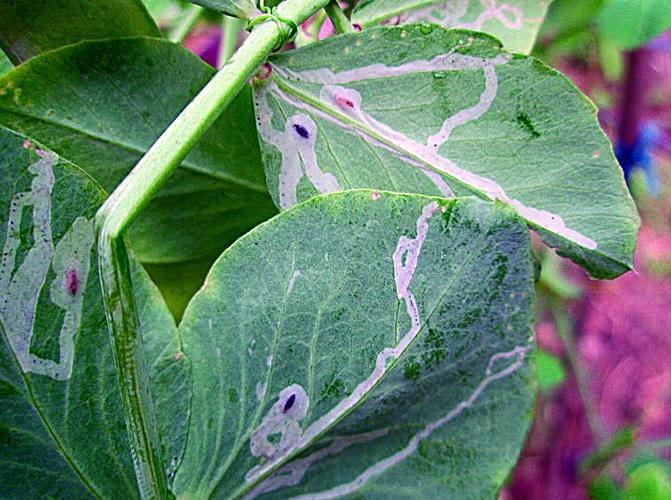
649, 482
568, 29
632, 23
646, 477
5, 63
549, 371
599, 30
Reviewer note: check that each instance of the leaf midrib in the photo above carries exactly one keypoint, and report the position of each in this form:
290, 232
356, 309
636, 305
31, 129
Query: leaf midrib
130, 148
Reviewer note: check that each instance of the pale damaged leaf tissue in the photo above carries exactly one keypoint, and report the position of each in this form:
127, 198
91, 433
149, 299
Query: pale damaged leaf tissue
515, 22
446, 112
62, 431
368, 334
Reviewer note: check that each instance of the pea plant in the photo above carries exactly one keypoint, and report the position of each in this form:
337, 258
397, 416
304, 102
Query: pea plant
373, 338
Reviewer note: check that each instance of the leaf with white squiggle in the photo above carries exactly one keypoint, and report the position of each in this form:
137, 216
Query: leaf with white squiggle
62, 429
444, 112
362, 342
515, 22
117, 103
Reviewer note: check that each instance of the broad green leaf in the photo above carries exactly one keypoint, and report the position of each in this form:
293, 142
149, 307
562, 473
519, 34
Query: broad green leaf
62, 429
632, 23
428, 110
515, 22
362, 343
101, 105
28, 28
237, 8
5, 64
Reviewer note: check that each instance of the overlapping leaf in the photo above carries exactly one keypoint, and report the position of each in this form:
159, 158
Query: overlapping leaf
362, 335
61, 424
427, 110
28, 28
101, 105
514, 22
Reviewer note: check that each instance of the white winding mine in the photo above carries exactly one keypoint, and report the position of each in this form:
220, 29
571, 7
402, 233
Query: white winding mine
293, 473
296, 143
518, 354
20, 288
454, 11
451, 61
405, 260
345, 109
283, 418
469, 114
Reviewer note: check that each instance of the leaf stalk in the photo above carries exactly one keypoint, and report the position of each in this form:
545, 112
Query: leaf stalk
126, 203
340, 21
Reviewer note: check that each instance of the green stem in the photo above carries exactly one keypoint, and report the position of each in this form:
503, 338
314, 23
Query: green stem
135, 191
230, 31
122, 321
340, 21
187, 20
123, 207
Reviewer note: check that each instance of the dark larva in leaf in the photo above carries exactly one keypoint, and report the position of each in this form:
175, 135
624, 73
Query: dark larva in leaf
301, 130
289, 403
72, 280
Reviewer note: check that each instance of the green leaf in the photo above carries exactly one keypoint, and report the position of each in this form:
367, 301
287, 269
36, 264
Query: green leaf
167, 368
62, 431
101, 105
515, 22
649, 482
28, 28
244, 9
549, 371
427, 110
362, 334
604, 487
5, 64
632, 23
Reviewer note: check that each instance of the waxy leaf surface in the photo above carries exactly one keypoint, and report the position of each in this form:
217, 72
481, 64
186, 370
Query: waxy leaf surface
515, 22
28, 28
362, 343
427, 110
101, 105
62, 430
